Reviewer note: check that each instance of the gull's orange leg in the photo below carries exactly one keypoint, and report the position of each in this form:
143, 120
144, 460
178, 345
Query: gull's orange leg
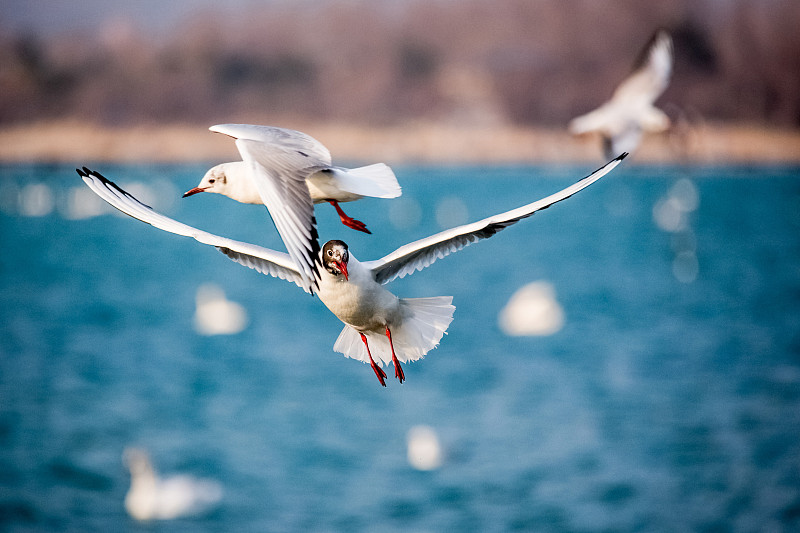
348, 221
398, 370
378, 370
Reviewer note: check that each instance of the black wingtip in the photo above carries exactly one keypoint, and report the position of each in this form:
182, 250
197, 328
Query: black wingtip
621, 156
316, 251
85, 172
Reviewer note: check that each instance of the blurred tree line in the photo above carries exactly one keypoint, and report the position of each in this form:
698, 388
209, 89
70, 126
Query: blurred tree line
530, 62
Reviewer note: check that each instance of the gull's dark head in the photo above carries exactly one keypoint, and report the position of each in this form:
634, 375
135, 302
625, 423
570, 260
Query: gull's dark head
335, 257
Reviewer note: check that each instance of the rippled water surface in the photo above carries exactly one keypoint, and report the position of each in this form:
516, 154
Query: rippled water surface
668, 398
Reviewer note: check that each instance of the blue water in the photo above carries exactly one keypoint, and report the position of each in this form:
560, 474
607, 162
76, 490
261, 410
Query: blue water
669, 401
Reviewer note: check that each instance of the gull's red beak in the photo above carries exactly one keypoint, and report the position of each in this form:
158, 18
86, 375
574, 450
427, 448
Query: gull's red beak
342, 266
196, 190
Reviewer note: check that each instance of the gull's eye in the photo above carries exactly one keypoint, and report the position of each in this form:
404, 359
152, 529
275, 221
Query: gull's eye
330, 253
211, 180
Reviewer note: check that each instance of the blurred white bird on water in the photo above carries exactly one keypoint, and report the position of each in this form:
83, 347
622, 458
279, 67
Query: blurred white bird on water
424, 450
532, 310
215, 314
153, 498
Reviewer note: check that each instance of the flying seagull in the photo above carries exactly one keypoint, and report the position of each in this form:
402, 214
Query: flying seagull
378, 324
289, 171
622, 120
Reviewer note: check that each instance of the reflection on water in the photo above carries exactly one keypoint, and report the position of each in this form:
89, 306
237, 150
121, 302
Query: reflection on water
667, 400
36, 200
451, 212
405, 212
82, 203
673, 213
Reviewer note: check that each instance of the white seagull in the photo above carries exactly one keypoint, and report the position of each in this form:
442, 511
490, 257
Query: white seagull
289, 171
622, 120
378, 324
152, 498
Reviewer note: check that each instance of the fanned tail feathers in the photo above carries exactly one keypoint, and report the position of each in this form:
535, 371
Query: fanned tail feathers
424, 324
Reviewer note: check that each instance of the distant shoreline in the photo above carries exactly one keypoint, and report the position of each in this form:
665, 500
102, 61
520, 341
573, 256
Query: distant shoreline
417, 142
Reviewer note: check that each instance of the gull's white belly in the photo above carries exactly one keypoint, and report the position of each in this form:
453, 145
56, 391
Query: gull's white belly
324, 186
361, 302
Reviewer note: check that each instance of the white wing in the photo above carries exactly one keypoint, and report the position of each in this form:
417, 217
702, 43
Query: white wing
280, 177
422, 253
290, 140
263, 260
279, 161
603, 118
651, 73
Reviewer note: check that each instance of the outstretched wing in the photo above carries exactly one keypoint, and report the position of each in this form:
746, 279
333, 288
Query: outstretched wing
289, 140
651, 73
422, 253
263, 260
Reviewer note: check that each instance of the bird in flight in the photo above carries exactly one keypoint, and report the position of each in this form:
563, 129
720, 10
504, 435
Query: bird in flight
289, 171
630, 112
378, 324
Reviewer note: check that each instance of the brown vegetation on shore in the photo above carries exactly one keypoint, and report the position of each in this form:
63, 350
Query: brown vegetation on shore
79, 143
407, 80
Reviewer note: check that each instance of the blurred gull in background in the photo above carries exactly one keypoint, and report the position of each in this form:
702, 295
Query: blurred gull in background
215, 314
622, 120
424, 449
532, 311
152, 498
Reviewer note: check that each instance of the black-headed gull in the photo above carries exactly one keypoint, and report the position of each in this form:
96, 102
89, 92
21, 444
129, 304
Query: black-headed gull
289, 171
378, 324
622, 120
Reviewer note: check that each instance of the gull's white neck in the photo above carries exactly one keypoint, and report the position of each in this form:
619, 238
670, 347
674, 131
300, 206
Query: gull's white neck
360, 302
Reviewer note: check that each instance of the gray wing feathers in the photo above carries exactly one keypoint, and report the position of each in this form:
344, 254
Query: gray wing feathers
264, 267
289, 140
280, 177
